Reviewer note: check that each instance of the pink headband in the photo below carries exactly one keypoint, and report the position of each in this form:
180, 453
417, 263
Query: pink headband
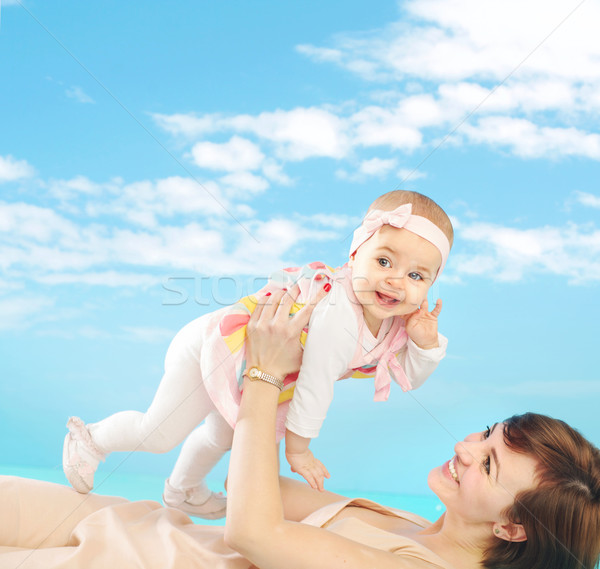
401, 217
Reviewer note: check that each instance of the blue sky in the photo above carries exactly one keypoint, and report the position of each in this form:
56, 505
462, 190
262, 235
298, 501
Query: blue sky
155, 162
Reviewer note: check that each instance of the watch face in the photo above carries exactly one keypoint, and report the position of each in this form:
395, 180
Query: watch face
254, 372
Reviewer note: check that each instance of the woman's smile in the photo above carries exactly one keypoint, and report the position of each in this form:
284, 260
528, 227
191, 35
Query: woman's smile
452, 469
449, 471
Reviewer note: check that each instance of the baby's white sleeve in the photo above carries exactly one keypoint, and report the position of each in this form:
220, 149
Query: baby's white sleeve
419, 364
328, 351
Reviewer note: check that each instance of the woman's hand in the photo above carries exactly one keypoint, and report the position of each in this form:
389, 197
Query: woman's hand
273, 342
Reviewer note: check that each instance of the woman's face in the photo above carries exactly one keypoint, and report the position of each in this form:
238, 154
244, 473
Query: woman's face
483, 478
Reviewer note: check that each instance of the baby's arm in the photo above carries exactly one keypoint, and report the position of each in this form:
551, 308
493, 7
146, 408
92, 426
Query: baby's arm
426, 347
302, 460
422, 325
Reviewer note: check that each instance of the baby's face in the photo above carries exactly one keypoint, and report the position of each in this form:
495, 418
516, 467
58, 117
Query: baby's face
392, 272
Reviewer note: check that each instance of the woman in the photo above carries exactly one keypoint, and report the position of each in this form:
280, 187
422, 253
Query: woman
523, 494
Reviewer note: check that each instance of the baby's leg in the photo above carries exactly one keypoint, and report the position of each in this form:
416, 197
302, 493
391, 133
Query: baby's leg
180, 404
186, 488
201, 452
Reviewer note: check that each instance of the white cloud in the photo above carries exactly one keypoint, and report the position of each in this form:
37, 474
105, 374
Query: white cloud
127, 235
407, 175
77, 93
529, 140
333, 221
145, 202
511, 254
543, 57
12, 169
188, 125
377, 166
119, 236
320, 53
297, 134
274, 172
294, 135
376, 126
112, 279
148, 335
589, 200
236, 155
20, 312
80, 186
373, 167
454, 40
34, 223
238, 183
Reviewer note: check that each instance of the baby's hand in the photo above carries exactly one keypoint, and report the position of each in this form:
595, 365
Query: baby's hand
422, 326
307, 466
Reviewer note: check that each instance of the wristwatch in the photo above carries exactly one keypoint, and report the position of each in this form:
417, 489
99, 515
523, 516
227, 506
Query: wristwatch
254, 373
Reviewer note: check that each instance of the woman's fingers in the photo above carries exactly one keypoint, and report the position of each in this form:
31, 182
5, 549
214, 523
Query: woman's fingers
258, 310
273, 310
303, 315
269, 304
287, 300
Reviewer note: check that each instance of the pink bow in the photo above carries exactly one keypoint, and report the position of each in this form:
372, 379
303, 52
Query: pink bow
376, 219
390, 363
396, 218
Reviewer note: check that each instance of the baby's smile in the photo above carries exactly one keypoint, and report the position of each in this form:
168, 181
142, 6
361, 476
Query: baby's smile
386, 299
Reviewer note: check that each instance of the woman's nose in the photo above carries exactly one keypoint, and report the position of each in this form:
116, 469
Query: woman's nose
464, 451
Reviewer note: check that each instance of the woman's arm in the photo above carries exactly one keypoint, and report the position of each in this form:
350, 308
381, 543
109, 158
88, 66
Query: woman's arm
255, 523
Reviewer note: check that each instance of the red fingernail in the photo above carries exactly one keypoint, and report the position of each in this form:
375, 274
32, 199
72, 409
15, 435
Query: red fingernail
285, 290
327, 287
268, 294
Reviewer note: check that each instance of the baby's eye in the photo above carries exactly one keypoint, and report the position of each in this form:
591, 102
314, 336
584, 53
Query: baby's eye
415, 276
384, 262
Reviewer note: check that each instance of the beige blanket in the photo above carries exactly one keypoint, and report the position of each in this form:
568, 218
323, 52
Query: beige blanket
49, 526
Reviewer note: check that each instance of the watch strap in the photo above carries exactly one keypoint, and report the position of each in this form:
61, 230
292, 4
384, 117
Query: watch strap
254, 373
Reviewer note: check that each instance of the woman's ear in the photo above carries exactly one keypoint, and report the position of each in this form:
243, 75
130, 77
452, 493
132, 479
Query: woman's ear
510, 532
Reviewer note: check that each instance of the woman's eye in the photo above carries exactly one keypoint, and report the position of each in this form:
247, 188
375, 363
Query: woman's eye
486, 465
384, 262
415, 276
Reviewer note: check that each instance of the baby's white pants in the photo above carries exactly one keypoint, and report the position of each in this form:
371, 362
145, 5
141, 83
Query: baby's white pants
180, 404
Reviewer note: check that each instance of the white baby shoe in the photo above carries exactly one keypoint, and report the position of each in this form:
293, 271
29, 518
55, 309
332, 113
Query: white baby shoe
194, 502
80, 456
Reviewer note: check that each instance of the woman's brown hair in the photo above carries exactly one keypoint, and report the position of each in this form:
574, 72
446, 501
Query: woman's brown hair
561, 515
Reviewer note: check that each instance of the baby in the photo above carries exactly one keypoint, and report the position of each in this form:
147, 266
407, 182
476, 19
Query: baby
374, 322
